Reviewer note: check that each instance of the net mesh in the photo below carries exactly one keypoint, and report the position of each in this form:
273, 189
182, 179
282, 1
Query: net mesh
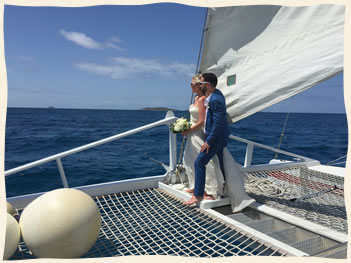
151, 222
302, 192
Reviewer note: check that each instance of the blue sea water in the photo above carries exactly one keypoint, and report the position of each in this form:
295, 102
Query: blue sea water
32, 134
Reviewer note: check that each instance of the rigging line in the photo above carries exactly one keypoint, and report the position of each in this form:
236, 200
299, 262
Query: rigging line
338, 163
336, 159
282, 134
200, 49
179, 165
180, 159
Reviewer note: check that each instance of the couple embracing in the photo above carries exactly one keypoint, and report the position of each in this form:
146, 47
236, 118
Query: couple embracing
212, 172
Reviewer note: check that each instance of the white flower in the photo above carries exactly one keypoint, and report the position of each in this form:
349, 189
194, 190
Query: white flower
180, 125
206, 103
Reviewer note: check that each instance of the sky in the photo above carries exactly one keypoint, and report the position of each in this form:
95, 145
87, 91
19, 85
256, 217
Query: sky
118, 57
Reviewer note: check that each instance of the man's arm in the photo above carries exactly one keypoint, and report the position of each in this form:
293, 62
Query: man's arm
218, 114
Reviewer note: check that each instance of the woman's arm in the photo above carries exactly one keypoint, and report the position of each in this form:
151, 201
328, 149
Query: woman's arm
202, 113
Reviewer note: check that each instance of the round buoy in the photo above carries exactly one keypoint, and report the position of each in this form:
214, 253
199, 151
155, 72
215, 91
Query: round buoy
10, 209
12, 238
63, 223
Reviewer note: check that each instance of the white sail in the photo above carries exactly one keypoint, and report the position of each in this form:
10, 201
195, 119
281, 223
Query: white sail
271, 52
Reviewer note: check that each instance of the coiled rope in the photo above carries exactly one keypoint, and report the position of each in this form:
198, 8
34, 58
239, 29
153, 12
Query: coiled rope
268, 186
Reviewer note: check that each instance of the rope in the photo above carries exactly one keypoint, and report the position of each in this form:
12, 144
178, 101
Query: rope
339, 163
179, 167
152, 222
200, 49
282, 134
332, 162
327, 209
268, 187
180, 159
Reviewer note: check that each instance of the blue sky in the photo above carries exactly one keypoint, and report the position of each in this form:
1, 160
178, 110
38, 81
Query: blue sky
117, 57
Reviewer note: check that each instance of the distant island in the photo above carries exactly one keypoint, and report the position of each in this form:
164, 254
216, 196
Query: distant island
51, 107
158, 109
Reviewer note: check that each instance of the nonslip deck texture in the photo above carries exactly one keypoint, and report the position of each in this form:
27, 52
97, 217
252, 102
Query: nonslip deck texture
308, 194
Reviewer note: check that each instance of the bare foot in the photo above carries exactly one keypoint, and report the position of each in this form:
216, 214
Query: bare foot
189, 190
209, 197
194, 199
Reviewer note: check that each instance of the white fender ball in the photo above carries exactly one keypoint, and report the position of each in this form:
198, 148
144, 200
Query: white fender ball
12, 238
10, 209
63, 223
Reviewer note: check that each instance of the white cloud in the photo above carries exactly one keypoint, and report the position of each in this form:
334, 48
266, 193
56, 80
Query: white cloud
112, 45
121, 67
93, 68
83, 40
115, 39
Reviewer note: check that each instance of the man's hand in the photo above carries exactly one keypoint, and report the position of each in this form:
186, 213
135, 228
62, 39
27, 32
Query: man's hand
185, 133
205, 147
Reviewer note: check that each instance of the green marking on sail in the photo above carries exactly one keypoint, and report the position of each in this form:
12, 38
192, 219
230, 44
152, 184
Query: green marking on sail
231, 80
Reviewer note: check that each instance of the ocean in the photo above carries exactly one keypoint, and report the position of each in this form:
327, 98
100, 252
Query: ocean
35, 133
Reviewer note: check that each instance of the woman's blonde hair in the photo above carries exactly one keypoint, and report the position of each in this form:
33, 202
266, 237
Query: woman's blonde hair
196, 78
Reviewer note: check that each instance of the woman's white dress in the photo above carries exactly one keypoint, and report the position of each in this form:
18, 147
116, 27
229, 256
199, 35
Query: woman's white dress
214, 178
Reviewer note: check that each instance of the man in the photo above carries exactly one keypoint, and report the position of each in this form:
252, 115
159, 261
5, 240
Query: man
216, 134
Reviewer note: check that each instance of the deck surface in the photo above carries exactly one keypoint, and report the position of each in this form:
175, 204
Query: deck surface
152, 222
308, 194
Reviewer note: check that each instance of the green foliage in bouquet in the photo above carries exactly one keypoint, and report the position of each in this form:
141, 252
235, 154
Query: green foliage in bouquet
180, 125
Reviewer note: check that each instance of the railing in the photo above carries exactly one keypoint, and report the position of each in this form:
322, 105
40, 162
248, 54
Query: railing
300, 160
170, 118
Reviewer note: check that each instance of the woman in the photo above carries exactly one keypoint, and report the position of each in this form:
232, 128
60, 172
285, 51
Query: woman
195, 139
214, 185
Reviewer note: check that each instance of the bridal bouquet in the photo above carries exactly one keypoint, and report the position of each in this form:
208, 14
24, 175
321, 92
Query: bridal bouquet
180, 125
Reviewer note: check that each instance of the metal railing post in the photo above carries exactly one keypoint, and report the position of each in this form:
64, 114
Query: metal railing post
172, 150
170, 118
89, 146
62, 173
248, 155
172, 145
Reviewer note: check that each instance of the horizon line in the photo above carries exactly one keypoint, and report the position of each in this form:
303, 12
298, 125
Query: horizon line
160, 109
